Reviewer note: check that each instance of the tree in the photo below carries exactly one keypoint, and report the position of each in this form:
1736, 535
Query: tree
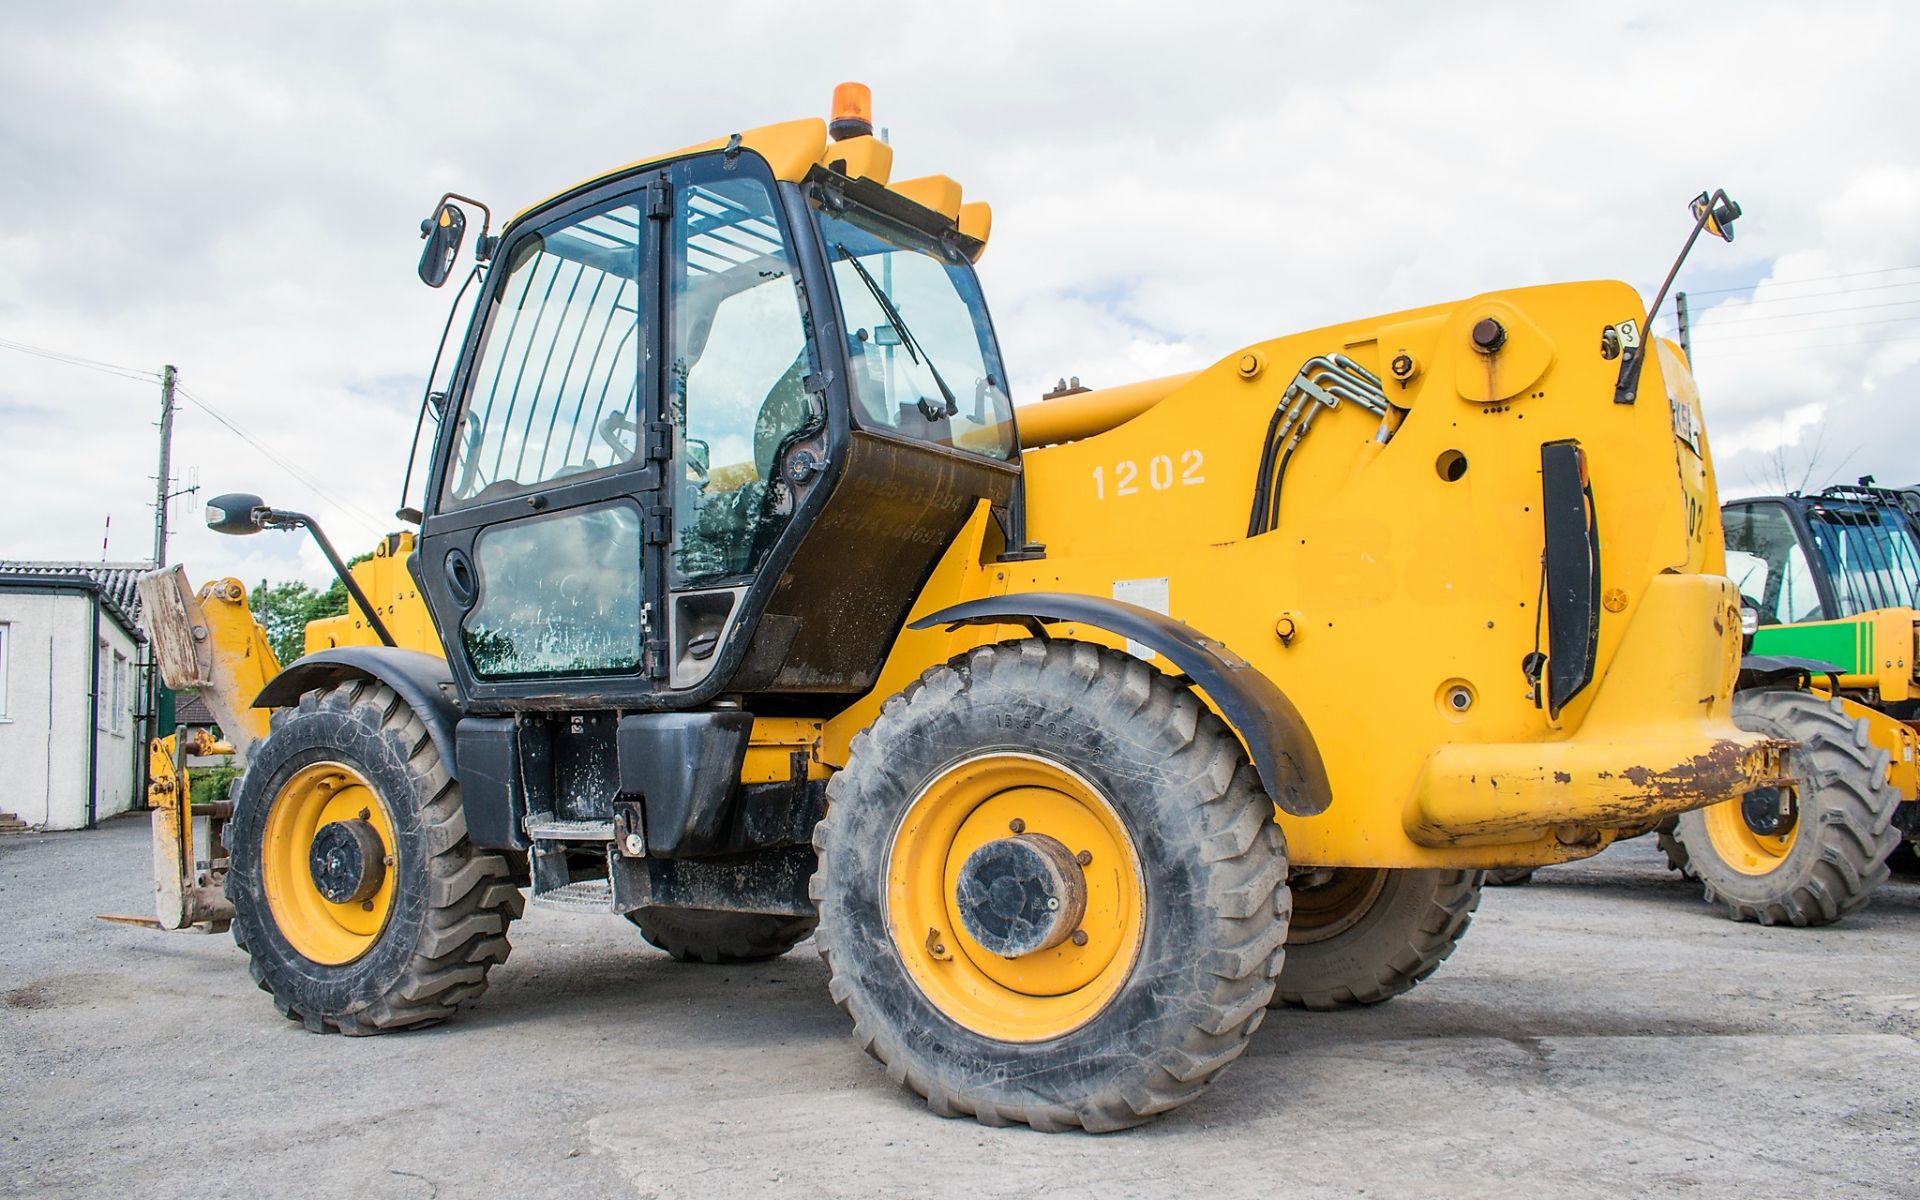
284, 609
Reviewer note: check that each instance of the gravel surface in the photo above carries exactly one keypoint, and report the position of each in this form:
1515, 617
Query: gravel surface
1601, 1032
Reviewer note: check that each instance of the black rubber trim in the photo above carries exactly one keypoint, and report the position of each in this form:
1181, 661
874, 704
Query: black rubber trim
1277, 738
1572, 572
1762, 670
422, 680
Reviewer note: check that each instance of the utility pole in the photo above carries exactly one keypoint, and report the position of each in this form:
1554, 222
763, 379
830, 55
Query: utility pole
162, 496
164, 484
1680, 310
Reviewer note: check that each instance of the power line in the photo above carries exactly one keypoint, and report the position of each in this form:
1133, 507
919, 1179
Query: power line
76, 360
353, 512
1739, 353
1793, 282
1778, 333
1812, 312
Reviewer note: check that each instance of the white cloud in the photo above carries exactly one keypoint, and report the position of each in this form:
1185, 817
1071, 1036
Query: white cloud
236, 190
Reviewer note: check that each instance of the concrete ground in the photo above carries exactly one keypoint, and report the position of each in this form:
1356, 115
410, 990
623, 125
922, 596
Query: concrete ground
1599, 1033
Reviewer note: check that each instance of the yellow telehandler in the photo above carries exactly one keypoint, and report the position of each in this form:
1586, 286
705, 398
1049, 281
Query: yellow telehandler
744, 605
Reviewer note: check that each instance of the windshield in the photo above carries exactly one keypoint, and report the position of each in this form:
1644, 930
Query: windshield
1870, 555
923, 359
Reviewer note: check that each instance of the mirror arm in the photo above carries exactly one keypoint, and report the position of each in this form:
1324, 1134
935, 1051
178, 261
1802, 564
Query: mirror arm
1627, 389
280, 518
482, 248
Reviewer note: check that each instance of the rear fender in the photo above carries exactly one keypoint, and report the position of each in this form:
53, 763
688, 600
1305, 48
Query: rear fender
1276, 736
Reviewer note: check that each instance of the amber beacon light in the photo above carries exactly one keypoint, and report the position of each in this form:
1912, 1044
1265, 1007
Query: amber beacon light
852, 111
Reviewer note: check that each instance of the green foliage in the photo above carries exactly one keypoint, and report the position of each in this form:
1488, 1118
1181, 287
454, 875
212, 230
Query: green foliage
284, 609
211, 784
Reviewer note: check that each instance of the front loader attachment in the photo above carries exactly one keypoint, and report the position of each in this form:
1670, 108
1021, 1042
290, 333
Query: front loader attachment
210, 644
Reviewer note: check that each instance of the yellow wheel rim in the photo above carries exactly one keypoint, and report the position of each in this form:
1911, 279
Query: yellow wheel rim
1737, 845
314, 797
1044, 994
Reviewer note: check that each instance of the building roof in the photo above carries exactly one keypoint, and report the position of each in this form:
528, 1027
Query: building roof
114, 581
190, 709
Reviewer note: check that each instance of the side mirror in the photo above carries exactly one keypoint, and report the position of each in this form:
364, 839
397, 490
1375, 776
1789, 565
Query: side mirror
236, 513
1717, 213
444, 231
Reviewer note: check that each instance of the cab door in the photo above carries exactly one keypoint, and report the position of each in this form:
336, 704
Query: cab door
541, 551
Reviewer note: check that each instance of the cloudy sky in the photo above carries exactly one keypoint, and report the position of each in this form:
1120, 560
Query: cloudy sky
236, 189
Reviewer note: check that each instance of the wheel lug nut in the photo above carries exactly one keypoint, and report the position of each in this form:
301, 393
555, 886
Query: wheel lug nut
1017, 825
365, 813
1079, 937
1084, 857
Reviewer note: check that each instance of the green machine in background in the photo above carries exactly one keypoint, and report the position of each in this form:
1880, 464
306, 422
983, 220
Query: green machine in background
1830, 584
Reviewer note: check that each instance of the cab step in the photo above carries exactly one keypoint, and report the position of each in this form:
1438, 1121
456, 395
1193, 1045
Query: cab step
551, 829
585, 895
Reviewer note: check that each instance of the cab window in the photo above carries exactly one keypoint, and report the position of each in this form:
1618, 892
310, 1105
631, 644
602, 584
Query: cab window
736, 391
556, 392
923, 360
1767, 563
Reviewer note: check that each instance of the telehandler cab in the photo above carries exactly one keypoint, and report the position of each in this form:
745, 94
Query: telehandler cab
744, 605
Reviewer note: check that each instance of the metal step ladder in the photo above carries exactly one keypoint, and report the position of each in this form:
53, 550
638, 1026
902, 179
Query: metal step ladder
553, 884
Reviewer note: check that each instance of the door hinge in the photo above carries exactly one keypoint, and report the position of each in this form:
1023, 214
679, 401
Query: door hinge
659, 199
659, 441
655, 656
656, 524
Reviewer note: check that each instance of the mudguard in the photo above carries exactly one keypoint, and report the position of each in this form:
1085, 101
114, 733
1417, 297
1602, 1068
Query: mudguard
1762, 670
1276, 736
422, 680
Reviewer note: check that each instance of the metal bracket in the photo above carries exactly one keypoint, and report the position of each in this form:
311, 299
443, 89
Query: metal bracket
659, 199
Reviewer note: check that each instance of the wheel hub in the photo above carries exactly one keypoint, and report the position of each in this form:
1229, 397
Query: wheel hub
347, 861
1769, 811
1020, 895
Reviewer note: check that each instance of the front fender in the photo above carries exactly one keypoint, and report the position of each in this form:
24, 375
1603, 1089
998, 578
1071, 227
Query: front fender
1276, 736
422, 680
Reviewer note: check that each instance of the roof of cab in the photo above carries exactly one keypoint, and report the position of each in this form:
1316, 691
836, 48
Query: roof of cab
793, 148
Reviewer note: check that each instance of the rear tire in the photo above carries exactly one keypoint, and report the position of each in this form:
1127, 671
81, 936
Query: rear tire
1164, 793
1372, 934
1835, 853
448, 904
1509, 876
693, 935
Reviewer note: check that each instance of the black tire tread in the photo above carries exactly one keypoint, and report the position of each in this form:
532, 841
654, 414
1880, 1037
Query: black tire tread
1853, 820
1248, 895
1436, 933
721, 938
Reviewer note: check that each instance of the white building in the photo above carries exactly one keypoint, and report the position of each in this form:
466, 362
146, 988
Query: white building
72, 666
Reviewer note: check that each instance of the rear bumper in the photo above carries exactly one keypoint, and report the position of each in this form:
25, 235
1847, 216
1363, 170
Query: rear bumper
1658, 739
1477, 795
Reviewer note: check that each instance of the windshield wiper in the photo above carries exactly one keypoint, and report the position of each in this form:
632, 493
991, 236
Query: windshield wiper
907, 339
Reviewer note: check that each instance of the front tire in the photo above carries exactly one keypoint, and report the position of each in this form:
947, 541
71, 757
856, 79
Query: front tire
1051, 752
1362, 935
358, 897
1825, 861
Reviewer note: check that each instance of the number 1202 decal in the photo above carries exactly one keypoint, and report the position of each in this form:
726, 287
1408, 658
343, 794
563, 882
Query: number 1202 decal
1160, 474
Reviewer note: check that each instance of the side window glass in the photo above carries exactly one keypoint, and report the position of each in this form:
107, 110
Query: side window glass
556, 391
561, 595
921, 353
735, 389
1766, 561
1799, 599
